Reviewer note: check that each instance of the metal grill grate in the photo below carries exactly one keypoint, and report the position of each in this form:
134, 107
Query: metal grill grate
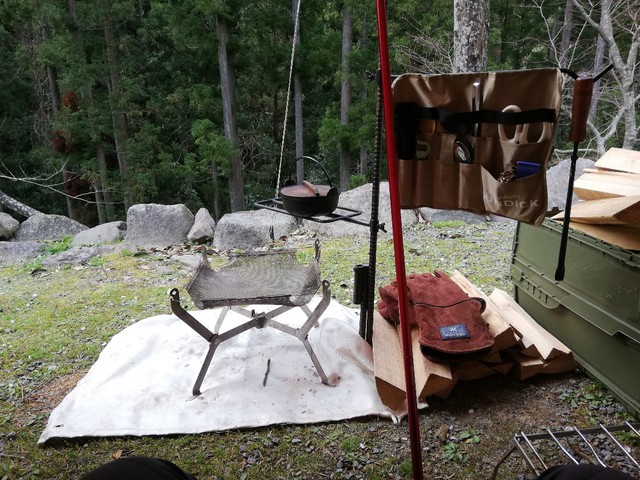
598, 446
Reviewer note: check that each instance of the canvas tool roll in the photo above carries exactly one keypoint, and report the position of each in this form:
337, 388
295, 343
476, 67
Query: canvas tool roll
449, 322
478, 142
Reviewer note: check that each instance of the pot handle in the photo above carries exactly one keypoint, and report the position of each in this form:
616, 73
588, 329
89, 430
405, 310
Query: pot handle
306, 157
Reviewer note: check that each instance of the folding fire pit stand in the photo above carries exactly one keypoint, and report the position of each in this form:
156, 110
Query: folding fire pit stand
273, 278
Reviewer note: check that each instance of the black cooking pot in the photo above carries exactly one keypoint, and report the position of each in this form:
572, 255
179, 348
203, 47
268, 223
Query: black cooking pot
308, 200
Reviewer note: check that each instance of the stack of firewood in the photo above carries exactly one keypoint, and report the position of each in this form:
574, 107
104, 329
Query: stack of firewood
522, 347
609, 206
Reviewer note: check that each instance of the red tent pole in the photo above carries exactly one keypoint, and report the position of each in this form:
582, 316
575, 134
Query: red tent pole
398, 244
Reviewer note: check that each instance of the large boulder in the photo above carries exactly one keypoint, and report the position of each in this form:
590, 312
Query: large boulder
154, 225
434, 215
8, 226
11, 252
251, 229
84, 254
43, 226
203, 227
106, 233
558, 182
360, 199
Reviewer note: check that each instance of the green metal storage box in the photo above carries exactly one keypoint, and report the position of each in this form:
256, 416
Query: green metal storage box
595, 310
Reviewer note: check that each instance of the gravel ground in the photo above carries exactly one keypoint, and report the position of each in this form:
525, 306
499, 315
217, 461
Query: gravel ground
464, 436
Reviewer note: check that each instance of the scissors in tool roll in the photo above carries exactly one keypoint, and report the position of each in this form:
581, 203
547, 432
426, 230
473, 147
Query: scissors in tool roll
521, 134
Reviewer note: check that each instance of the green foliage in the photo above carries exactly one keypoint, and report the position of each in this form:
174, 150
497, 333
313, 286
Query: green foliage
405, 469
165, 65
593, 398
470, 436
448, 224
357, 181
451, 452
350, 444
57, 246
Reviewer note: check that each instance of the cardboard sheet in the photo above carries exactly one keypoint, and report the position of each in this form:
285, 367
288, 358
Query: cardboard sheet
141, 383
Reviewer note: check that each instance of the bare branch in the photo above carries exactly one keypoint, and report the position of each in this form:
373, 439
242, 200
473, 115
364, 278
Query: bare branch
46, 181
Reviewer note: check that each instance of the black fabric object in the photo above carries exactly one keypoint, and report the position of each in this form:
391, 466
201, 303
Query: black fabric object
138, 468
582, 472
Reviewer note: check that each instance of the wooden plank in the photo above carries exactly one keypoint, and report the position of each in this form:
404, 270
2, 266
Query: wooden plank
606, 211
595, 185
620, 159
620, 236
502, 332
535, 340
430, 377
387, 363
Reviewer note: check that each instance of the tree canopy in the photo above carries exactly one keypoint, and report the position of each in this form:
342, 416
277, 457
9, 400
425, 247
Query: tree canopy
115, 102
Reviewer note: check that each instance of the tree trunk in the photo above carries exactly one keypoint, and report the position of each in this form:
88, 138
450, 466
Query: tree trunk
345, 97
470, 35
364, 94
103, 171
598, 64
54, 94
624, 72
120, 134
17, 206
227, 86
105, 206
565, 44
215, 176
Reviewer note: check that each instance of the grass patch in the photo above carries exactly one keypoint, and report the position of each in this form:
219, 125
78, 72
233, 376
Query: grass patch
54, 323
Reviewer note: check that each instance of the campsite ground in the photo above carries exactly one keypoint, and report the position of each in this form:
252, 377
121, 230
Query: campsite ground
56, 320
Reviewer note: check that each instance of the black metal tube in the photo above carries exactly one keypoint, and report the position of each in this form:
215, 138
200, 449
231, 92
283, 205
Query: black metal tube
374, 223
360, 280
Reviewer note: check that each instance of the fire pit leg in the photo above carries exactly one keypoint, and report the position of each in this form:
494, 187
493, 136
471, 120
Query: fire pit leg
205, 366
257, 320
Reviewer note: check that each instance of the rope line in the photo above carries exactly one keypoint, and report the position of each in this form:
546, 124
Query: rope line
286, 107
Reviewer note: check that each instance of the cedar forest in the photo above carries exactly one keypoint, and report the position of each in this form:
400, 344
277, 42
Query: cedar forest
104, 104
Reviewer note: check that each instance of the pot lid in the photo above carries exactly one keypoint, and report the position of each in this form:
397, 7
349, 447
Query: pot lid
307, 189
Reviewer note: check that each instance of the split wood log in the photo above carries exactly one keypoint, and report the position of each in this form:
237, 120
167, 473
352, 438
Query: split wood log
620, 159
534, 341
502, 332
595, 184
527, 367
564, 363
492, 358
502, 368
387, 363
472, 370
430, 377
606, 211
444, 393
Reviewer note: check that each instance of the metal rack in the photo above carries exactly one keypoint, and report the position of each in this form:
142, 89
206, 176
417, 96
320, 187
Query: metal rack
340, 213
598, 446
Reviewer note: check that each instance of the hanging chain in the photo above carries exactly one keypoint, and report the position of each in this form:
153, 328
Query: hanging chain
286, 107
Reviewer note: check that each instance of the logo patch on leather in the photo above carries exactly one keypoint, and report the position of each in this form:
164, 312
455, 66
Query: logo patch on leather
453, 332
